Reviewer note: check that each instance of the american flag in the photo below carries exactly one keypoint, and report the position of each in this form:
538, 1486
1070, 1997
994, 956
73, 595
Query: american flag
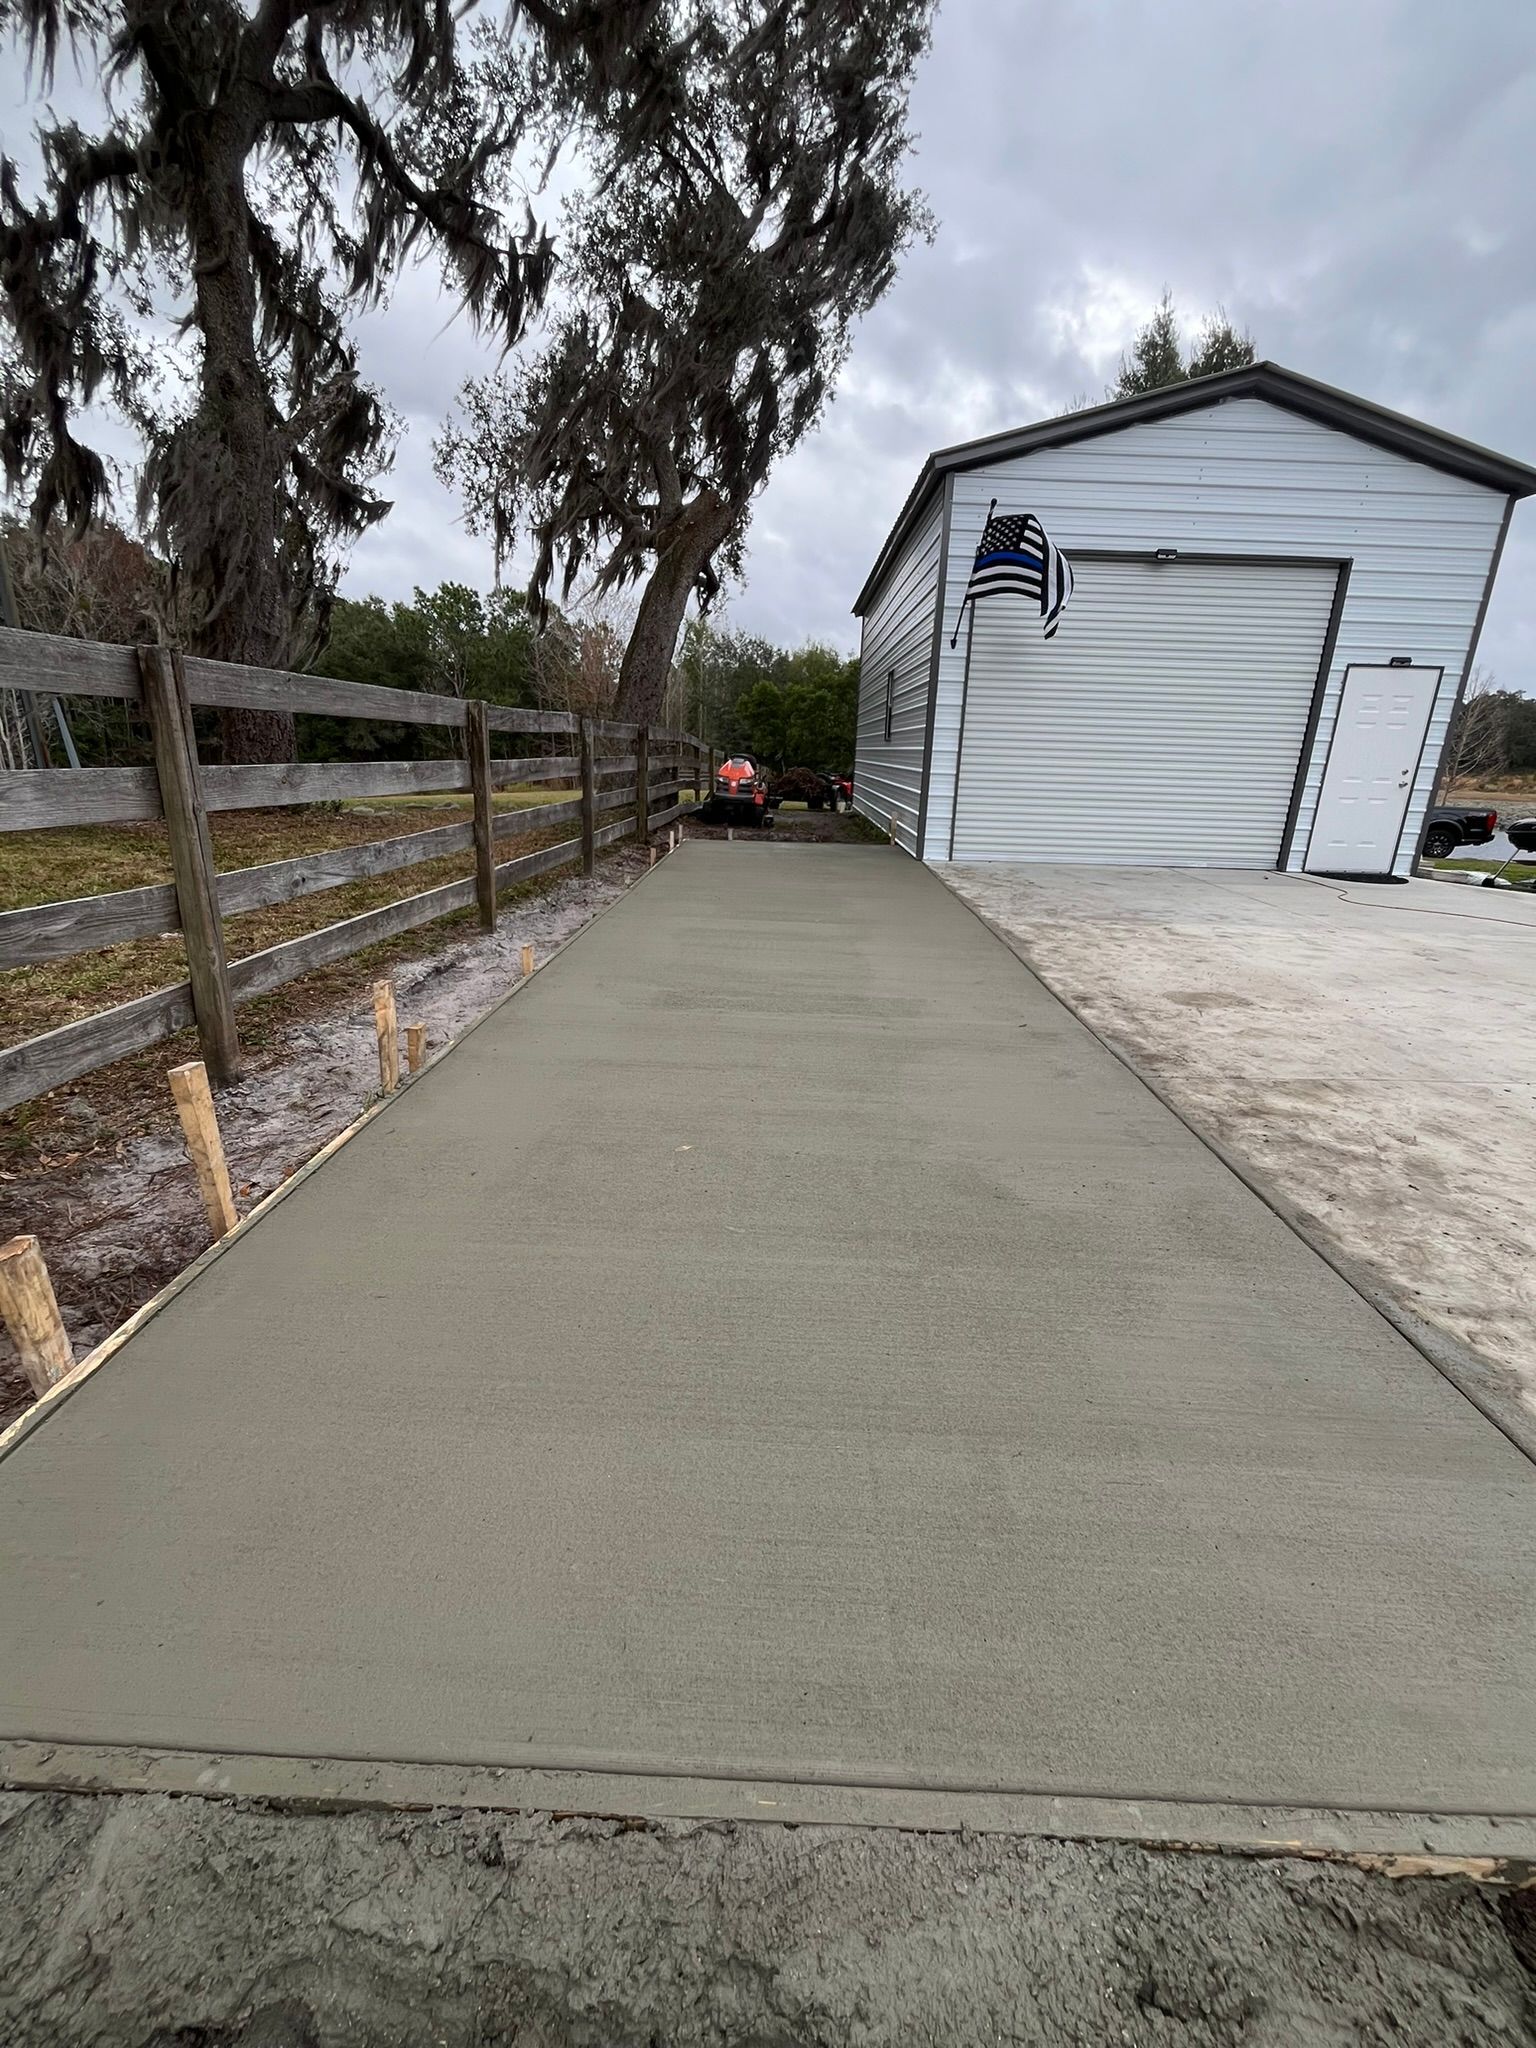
1018, 558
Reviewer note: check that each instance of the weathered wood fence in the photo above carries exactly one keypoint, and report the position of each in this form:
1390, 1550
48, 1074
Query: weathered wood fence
164, 686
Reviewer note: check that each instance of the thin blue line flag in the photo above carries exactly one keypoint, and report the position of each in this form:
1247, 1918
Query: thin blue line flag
1017, 558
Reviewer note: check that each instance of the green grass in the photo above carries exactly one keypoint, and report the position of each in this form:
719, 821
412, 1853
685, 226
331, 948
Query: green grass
1519, 871
862, 829
501, 800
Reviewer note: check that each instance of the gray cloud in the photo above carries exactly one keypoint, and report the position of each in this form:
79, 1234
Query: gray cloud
1351, 182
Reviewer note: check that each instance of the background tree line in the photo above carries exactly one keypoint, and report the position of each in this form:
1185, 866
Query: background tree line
787, 707
794, 708
1493, 735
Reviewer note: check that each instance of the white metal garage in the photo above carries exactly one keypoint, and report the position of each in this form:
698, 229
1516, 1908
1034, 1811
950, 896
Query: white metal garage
1279, 590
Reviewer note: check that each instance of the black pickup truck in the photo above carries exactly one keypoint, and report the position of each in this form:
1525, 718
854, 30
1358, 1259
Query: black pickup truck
1450, 827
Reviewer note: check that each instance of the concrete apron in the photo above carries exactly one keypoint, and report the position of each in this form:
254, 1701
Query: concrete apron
779, 1364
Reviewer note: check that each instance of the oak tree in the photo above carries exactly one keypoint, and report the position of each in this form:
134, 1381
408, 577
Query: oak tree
263, 171
707, 290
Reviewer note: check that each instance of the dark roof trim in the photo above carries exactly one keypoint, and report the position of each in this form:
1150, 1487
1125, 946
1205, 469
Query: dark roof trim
1282, 387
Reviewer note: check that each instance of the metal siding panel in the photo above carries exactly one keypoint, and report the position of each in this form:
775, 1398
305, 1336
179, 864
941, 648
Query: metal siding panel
898, 633
1247, 477
1164, 729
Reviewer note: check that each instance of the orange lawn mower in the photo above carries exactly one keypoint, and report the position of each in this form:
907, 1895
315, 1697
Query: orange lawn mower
740, 794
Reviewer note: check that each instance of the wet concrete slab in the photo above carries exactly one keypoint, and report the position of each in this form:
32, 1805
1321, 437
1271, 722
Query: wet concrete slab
1081, 1475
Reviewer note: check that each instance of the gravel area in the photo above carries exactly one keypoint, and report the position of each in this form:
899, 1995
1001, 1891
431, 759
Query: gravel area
145, 1922
1369, 1049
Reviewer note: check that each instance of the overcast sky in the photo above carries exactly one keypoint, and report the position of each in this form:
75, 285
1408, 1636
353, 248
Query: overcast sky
1354, 182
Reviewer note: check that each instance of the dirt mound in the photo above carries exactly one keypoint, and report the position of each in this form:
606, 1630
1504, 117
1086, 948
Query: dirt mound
144, 1922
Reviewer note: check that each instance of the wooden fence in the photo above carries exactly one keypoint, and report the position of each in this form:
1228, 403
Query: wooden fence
163, 686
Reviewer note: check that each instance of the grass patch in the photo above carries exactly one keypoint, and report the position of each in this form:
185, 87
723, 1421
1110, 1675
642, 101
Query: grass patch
862, 829
51, 866
1518, 871
501, 800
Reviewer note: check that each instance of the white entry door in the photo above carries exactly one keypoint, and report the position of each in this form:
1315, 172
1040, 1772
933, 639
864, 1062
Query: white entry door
1372, 762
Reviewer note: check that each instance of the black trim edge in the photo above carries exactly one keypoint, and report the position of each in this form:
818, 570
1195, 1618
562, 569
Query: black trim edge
1315, 711
1466, 675
965, 695
1418, 765
941, 591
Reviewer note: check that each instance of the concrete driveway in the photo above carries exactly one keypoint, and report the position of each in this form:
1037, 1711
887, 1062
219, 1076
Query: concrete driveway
1088, 1491
1371, 1050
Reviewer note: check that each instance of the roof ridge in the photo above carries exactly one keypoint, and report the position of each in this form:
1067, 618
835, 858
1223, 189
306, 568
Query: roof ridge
1375, 424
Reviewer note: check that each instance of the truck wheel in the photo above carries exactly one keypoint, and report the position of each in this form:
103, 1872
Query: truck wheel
1440, 840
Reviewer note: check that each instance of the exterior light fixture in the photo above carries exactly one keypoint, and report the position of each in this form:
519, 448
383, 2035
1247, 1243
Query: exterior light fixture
1166, 555
1401, 661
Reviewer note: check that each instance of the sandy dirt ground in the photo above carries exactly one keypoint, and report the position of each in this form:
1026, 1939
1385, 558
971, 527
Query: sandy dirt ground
145, 1922
794, 827
1369, 1049
115, 1235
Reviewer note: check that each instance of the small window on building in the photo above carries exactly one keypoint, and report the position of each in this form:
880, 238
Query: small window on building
890, 699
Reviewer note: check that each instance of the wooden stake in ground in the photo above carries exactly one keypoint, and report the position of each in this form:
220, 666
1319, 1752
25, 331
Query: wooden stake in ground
31, 1314
528, 962
415, 1046
205, 1148
388, 1030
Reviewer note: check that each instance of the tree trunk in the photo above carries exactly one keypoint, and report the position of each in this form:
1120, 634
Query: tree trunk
237, 569
688, 544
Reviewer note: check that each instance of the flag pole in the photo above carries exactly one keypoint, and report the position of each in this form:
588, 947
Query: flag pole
968, 599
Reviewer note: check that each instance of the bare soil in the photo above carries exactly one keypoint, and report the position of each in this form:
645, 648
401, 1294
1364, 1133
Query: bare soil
795, 827
98, 1173
139, 1921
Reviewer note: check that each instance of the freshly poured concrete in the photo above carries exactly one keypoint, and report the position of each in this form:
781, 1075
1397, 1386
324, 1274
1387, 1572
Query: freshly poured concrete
781, 1339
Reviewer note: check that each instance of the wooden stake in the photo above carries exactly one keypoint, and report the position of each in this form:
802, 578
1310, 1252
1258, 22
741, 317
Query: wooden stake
31, 1314
653, 856
415, 1047
205, 1148
477, 740
528, 962
388, 1030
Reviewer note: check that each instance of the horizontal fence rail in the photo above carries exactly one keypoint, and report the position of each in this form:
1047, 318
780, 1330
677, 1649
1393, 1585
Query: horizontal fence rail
53, 665
649, 778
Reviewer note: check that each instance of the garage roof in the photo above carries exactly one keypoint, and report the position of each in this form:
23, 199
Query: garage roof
1334, 408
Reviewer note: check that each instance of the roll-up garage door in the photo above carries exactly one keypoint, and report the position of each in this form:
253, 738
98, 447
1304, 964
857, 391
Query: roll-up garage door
1162, 726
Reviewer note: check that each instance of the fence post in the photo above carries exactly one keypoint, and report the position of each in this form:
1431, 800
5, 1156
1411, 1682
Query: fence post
588, 800
643, 785
477, 738
197, 889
